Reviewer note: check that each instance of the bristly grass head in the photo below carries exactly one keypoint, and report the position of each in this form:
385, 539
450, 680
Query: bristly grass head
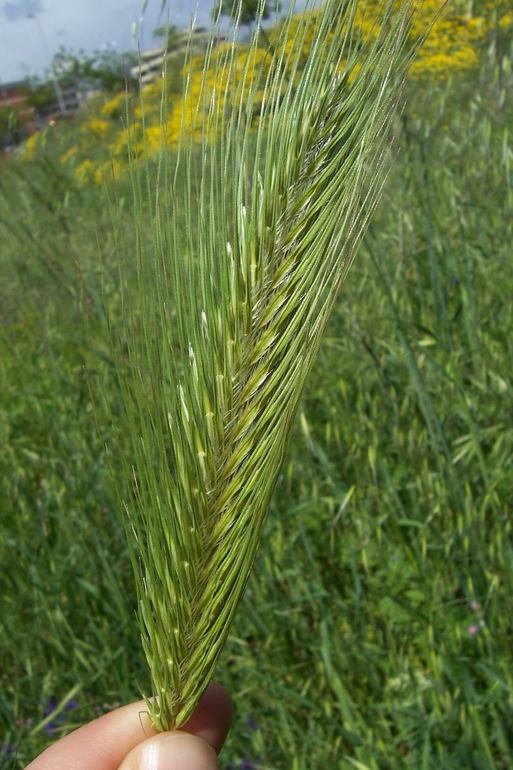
255, 224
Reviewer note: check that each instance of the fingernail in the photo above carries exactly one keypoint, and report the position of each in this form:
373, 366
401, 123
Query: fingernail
179, 751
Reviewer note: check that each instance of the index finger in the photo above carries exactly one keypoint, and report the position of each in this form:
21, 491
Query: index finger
103, 743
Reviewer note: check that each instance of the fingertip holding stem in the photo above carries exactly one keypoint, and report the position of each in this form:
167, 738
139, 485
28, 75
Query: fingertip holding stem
172, 751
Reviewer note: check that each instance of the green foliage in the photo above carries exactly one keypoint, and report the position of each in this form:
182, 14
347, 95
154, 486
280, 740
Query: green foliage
246, 11
11, 126
106, 68
41, 95
355, 645
169, 33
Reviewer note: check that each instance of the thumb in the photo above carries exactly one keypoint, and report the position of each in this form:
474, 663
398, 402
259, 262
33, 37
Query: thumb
171, 751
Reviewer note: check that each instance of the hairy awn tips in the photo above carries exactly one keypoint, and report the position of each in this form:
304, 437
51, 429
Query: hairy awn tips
279, 169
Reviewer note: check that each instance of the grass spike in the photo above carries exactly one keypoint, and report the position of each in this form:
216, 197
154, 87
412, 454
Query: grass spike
225, 322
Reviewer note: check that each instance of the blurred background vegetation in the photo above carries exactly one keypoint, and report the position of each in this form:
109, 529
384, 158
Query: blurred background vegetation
376, 629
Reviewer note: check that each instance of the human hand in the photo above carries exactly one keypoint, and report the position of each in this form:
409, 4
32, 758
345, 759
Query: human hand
120, 740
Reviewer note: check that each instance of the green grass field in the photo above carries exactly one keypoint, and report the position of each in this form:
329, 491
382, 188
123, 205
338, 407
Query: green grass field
376, 629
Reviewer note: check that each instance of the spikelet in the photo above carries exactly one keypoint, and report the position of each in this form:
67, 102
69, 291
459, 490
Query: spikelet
254, 230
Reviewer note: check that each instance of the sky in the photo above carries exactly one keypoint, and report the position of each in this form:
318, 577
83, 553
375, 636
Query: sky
28, 44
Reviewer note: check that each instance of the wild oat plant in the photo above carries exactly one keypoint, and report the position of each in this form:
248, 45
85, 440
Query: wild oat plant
254, 228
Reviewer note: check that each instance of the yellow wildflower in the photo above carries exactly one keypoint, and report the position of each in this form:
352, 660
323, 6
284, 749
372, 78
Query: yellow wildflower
128, 140
114, 106
70, 153
30, 146
107, 172
96, 126
155, 138
84, 171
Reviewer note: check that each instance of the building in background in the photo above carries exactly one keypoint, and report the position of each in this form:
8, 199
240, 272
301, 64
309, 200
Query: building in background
153, 62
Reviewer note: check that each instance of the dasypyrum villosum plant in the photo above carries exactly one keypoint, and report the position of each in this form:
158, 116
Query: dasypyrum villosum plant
256, 219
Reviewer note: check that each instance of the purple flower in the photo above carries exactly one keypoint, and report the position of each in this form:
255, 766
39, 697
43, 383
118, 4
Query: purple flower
71, 705
50, 706
50, 729
252, 723
250, 764
473, 629
9, 749
475, 605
